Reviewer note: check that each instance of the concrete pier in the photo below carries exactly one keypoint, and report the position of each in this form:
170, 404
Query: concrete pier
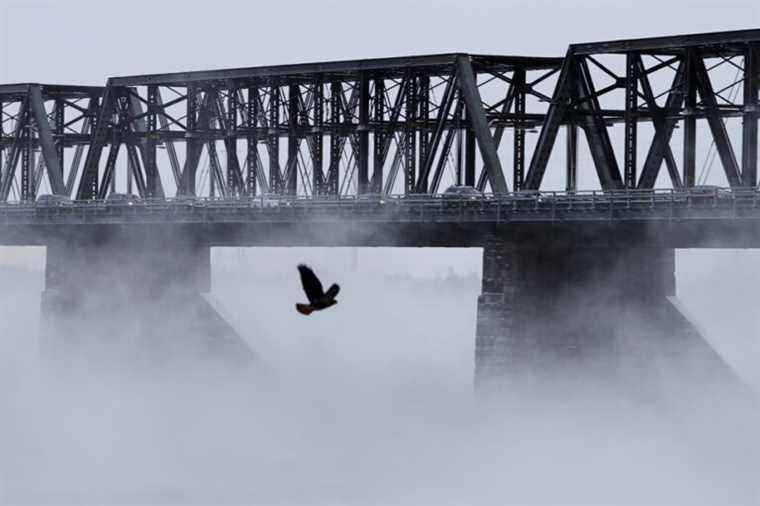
558, 317
134, 301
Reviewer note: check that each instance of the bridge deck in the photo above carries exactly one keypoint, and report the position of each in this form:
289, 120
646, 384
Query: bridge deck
723, 218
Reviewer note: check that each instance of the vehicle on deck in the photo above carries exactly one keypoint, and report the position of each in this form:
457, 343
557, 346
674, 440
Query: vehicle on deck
265, 201
121, 199
706, 193
51, 200
189, 200
462, 192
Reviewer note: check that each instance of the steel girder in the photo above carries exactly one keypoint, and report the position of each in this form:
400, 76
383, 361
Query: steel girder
391, 125
46, 123
375, 117
626, 71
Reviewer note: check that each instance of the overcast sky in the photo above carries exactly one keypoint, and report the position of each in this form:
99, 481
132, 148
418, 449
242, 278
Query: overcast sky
83, 42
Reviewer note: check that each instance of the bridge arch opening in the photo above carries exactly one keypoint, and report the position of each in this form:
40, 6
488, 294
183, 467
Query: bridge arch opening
399, 308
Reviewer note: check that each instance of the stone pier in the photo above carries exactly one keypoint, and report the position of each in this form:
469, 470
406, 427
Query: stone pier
553, 317
133, 301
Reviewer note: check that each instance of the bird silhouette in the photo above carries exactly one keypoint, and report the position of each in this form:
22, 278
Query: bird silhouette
318, 298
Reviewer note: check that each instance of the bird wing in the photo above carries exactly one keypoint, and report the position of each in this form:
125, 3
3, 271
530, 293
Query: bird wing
311, 284
332, 292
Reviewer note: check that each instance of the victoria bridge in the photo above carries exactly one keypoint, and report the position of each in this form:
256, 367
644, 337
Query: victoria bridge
579, 175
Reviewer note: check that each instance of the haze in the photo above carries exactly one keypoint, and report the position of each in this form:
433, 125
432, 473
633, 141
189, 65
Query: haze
370, 402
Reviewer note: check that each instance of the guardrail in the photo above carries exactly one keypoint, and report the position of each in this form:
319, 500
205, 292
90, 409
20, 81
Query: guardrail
519, 206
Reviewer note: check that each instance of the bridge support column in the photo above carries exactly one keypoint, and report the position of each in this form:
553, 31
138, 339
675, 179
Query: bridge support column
138, 301
553, 317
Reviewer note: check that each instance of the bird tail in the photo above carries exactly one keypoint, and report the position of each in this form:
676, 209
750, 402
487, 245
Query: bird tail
304, 309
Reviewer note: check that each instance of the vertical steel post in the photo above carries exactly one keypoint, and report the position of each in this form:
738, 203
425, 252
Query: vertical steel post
130, 169
192, 144
275, 180
378, 136
518, 80
751, 114
27, 181
336, 90
631, 113
410, 134
571, 174
2, 148
233, 185
291, 171
60, 117
151, 170
2, 134
317, 156
690, 121
362, 162
469, 150
424, 121
252, 140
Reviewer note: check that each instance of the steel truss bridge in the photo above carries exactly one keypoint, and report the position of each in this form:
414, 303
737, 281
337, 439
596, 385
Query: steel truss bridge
578, 243
409, 125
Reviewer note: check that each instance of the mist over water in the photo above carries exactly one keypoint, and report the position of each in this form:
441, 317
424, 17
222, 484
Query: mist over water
370, 402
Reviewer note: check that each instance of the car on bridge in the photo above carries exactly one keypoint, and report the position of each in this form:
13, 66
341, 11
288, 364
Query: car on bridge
122, 199
266, 201
189, 200
708, 193
462, 192
52, 200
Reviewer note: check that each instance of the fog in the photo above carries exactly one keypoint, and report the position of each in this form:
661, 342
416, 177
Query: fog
370, 402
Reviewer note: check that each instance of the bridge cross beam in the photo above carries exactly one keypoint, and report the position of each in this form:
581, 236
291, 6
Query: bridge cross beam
751, 113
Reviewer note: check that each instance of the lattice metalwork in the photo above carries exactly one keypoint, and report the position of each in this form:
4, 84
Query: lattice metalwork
410, 125
398, 125
687, 82
44, 136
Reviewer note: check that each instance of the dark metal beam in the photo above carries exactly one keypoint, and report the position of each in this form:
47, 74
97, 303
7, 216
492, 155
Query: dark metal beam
518, 151
751, 114
47, 143
571, 162
393, 67
410, 142
431, 146
252, 141
378, 144
689, 123
336, 146
317, 140
631, 109
476, 113
235, 182
152, 176
171, 151
595, 129
362, 162
424, 149
294, 141
717, 126
664, 125
275, 176
193, 146
88, 183
555, 116
669, 43
497, 135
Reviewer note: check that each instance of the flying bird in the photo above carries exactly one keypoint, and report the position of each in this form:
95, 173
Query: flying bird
318, 298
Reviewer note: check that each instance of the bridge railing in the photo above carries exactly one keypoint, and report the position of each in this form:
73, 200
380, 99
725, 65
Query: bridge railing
537, 198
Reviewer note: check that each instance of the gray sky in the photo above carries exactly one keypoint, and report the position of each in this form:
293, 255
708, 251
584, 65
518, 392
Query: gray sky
83, 42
